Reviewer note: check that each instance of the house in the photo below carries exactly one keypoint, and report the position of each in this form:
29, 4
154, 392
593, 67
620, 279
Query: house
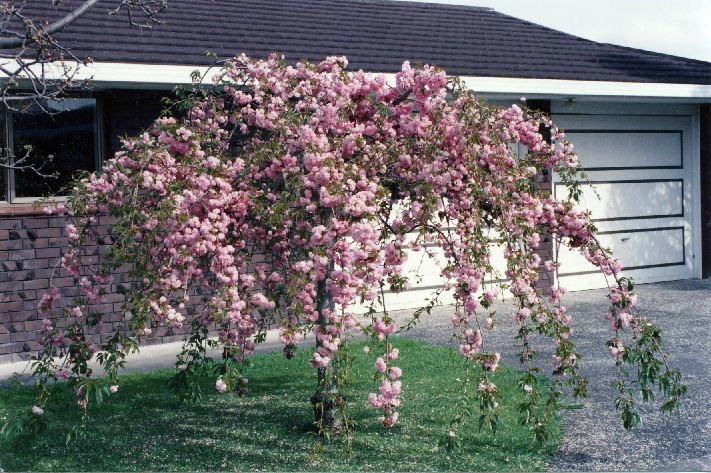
641, 121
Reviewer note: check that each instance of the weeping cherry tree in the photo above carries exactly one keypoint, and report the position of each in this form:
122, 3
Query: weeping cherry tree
290, 196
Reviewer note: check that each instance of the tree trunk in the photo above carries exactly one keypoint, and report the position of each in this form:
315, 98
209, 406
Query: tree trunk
327, 401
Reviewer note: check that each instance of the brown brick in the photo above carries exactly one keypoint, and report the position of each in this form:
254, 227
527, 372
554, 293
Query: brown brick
38, 243
89, 260
57, 242
106, 328
10, 244
37, 222
33, 325
16, 296
35, 263
63, 282
160, 332
10, 265
11, 286
58, 222
101, 308
48, 232
31, 346
6, 348
41, 246
21, 254
21, 336
24, 316
47, 253
10, 224
43, 273
93, 330
70, 291
25, 275
30, 305
36, 284
113, 297
15, 327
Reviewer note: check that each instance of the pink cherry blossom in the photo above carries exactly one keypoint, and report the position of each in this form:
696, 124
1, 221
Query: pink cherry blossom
220, 385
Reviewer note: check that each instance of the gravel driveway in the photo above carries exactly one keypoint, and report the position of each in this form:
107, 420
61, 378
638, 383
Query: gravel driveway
594, 437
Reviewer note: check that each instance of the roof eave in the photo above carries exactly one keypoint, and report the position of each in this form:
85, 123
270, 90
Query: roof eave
162, 76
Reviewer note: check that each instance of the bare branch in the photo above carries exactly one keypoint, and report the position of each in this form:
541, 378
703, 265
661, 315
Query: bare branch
149, 8
19, 40
26, 163
36, 69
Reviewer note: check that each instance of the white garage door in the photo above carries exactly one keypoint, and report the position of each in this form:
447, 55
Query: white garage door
640, 190
639, 160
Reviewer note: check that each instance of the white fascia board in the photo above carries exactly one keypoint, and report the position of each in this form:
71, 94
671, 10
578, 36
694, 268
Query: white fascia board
145, 74
126, 75
139, 76
131, 75
557, 88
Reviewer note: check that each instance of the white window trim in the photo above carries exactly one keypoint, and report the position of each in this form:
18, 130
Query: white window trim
8, 132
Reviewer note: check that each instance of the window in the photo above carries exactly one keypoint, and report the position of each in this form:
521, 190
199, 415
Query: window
61, 142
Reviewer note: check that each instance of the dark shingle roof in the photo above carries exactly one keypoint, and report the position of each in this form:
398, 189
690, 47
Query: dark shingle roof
376, 35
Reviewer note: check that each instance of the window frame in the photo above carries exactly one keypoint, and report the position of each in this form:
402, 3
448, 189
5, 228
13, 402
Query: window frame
9, 199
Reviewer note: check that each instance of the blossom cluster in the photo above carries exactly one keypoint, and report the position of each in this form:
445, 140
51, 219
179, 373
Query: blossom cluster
387, 399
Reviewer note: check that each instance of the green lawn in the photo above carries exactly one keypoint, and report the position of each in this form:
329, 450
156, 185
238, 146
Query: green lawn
143, 427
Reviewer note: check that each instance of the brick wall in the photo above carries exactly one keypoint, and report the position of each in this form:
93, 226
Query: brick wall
30, 247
